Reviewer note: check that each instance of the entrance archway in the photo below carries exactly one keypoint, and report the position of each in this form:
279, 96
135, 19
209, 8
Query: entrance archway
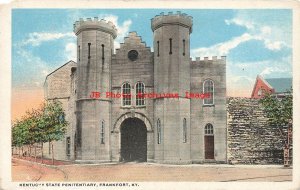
133, 140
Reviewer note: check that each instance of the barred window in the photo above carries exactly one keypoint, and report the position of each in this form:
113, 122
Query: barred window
102, 133
208, 88
209, 129
140, 90
126, 91
184, 130
158, 132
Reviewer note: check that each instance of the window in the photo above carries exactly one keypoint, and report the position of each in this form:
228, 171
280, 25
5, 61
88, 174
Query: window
102, 54
170, 52
78, 53
259, 92
133, 55
184, 130
209, 129
183, 43
89, 50
157, 48
49, 148
102, 133
126, 94
208, 88
158, 132
68, 146
140, 90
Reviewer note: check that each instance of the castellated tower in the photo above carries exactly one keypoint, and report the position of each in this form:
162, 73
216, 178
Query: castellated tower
95, 39
172, 75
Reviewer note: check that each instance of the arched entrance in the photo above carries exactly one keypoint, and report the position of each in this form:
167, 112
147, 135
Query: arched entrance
133, 140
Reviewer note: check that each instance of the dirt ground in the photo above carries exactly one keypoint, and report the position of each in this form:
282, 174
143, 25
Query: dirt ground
139, 172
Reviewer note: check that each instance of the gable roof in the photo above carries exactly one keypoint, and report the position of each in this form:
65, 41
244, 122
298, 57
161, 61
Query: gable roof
69, 62
280, 84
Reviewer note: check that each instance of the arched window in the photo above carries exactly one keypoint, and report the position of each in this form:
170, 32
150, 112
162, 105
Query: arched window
184, 130
126, 92
140, 90
208, 88
102, 132
209, 129
158, 132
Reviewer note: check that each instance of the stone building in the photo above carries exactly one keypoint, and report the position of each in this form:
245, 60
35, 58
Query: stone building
132, 105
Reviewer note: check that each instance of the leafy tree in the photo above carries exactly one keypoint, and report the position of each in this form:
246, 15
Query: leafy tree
45, 124
53, 123
279, 112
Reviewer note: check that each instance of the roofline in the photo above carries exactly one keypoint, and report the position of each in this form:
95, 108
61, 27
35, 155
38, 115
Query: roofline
263, 80
56, 70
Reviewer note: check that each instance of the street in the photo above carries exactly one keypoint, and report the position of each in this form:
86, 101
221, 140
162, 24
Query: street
139, 172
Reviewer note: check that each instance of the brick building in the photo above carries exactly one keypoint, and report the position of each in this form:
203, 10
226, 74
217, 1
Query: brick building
119, 125
277, 86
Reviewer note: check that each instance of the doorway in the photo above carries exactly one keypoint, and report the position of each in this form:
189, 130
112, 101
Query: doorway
133, 140
209, 143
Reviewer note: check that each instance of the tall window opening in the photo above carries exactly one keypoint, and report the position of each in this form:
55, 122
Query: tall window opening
208, 89
140, 90
157, 48
68, 146
78, 53
102, 54
183, 43
158, 132
126, 93
184, 130
170, 40
89, 50
102, 133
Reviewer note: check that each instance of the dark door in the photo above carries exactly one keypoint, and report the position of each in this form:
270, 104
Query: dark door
133, 140
209, 147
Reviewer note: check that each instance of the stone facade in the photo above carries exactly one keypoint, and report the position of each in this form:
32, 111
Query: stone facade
251, 140
161, 129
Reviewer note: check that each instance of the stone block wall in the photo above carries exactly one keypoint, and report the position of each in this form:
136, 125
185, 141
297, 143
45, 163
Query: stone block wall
250, 139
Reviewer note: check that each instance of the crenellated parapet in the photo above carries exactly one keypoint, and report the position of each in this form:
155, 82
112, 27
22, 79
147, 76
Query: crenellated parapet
213, 59
95, 24
171, 18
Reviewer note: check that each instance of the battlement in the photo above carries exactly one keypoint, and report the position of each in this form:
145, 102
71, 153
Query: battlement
171, 18
95, 24
213, 59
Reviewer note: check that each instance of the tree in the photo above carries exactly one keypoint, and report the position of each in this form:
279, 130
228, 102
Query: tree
280, 113
45, 124
53, 123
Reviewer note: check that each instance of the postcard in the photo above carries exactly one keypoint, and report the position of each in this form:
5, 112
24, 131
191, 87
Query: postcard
150, 95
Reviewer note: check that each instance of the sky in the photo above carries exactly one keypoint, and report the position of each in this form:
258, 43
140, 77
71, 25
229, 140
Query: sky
255, 41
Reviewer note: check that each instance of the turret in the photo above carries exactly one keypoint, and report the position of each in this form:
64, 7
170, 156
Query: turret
172, 51
95, 44
172, 75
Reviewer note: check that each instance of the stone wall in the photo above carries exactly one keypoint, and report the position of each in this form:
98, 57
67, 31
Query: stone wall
250, 139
